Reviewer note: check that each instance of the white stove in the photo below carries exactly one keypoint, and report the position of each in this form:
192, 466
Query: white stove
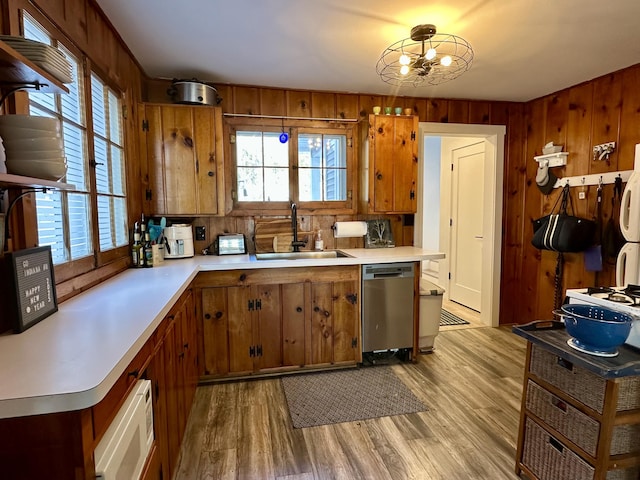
615, 300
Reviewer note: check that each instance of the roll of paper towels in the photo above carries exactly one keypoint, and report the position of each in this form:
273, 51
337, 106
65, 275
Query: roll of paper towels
349, 229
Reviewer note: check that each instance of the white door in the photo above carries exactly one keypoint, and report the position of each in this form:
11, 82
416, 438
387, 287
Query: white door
467, 194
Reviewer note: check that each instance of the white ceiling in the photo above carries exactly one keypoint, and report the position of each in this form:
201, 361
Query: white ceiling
524, 49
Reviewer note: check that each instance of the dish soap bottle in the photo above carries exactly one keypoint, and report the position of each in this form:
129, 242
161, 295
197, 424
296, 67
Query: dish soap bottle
319, 244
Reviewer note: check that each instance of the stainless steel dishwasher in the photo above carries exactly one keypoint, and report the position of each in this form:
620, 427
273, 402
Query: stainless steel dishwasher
387, 306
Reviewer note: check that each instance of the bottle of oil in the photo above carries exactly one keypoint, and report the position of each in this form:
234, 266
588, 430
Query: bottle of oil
136, 250
148, 251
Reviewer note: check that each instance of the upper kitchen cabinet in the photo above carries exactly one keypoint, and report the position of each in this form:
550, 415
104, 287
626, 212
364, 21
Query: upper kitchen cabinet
390, 166
183, 148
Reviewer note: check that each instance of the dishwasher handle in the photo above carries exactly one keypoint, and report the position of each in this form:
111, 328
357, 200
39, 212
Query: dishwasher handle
388, 275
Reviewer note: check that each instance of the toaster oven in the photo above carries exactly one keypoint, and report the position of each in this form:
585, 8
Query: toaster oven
231, 244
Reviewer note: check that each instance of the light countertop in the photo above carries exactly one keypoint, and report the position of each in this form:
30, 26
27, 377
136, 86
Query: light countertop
71, 359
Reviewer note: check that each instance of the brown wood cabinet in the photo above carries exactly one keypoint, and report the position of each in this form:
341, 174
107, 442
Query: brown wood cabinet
183, 148
63, 443
265, 320
390, 169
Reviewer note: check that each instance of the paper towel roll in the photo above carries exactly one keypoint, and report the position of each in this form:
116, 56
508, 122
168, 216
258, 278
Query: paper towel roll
349, 229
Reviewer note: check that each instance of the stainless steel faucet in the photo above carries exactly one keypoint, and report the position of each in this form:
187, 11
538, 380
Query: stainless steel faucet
296, 244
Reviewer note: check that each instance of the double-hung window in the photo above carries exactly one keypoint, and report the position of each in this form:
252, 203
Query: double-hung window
310, 165
87, 225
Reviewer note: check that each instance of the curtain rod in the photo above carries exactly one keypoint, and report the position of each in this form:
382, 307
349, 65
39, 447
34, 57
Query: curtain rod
281, 117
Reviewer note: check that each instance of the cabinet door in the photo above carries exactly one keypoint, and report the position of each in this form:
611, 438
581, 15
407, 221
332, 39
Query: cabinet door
405, 165
294, 311
267, 327
184, 155
241, 345
156, 373
215, 325
321, 323
346, 325
394, 162
171, 367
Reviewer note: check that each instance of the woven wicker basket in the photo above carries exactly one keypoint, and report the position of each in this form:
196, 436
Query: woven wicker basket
548, 459
586, 387
577, 426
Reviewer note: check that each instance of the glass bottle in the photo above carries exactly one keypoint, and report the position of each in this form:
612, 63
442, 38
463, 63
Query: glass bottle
148, 251
136, 250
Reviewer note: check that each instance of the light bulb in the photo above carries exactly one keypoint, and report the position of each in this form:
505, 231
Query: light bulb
404, 59
431, 54
404, 69
446, 61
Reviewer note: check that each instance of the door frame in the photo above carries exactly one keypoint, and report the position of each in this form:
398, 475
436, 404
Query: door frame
493, 136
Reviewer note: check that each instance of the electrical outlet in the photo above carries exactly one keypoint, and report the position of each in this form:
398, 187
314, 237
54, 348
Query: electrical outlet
582, 195
201, 233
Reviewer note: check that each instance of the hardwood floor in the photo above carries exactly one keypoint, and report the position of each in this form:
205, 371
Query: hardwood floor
472, 385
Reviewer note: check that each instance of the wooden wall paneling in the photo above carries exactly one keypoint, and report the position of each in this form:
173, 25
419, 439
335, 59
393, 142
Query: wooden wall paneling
437, 110
578, 138
154, 90
298, 103
479, 113
323, 105
419, 106
246, 100
272, 102
556, 119
347, 105
458, 111
69, 15
225, 92
366, 104
533, 209
512, 214
392, 101
324, 223
605, 127
499, 112
630, 118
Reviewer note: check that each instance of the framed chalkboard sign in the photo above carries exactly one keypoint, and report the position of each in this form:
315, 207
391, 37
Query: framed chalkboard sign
32, 286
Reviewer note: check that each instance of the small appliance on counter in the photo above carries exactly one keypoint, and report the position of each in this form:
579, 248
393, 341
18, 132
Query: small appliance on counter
178, 241
231, 244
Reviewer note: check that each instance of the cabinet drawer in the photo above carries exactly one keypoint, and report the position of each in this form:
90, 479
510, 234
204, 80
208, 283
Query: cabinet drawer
549, 459
586, 387
572, 423
577, 426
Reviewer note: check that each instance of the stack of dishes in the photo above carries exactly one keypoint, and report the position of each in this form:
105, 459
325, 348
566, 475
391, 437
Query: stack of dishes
33, 146
45, 56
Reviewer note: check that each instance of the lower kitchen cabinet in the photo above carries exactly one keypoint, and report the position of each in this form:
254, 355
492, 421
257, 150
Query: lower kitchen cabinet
266, 320
580, 417
61, 445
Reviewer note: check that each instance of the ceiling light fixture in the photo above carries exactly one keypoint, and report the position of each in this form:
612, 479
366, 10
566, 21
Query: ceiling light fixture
426, 58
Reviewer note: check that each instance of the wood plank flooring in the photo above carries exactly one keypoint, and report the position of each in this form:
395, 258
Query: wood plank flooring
472, 384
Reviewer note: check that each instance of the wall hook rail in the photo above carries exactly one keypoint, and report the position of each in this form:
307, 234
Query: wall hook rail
594, 179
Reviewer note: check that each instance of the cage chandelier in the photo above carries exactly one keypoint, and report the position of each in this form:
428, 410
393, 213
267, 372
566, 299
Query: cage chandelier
426, 58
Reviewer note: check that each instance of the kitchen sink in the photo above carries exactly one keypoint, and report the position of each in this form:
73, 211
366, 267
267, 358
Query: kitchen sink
299, 255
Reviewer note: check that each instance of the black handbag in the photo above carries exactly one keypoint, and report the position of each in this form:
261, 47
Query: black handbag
562, 232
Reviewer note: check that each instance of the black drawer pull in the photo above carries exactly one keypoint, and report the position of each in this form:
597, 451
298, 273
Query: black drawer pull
556, 444
298, 309
565, 364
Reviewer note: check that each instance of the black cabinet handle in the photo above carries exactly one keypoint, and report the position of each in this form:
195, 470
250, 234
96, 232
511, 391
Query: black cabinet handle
316, 309
218, 314
210, 173
207, 316
298, 309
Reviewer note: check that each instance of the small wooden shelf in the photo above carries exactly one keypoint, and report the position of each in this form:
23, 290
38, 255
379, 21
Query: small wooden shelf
16, 69
8, 180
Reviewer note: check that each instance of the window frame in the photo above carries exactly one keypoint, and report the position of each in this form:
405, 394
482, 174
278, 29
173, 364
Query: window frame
293, 127
97, 259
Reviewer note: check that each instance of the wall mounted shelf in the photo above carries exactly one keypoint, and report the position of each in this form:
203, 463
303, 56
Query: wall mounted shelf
16, 70
552, 160
8, 180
